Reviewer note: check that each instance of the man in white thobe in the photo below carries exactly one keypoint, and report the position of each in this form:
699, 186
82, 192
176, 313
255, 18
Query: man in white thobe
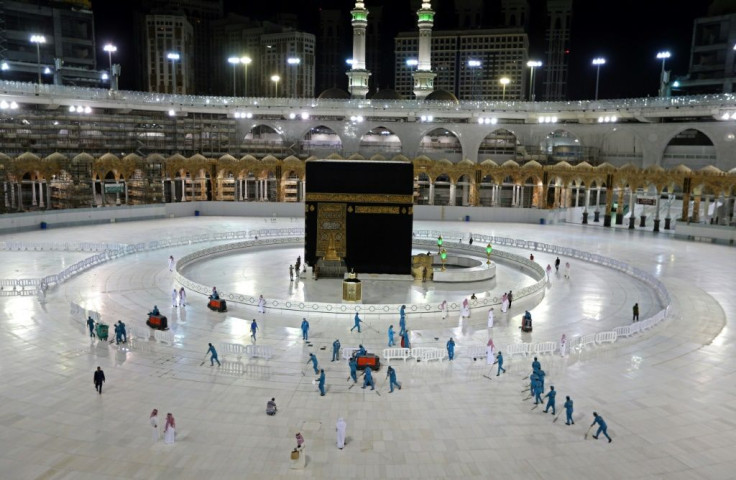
341, 429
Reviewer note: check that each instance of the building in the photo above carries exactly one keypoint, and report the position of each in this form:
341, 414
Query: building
169, 54
557, 36
200, 14
712, 57
68, 54
290, 57
515, 13
333, 49
501, 53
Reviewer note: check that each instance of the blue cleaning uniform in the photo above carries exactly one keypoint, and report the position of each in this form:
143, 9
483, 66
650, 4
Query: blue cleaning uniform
313, 359
451, 349
358, 321
602, 427
550, 401
537, 393
391, 342
368, 378
568, 411
305, 329
335, 350
536, 365
322, 383
392, 379
499, 359
353, 369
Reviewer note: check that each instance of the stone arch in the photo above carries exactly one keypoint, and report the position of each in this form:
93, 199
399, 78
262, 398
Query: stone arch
263, 139
691, 145
621, 146
379, 140
561, 145
442, 143
321, 141
499, 145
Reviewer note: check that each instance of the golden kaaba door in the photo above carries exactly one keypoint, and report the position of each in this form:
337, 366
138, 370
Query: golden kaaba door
331, 231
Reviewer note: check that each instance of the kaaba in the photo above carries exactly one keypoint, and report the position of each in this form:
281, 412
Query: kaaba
360, 213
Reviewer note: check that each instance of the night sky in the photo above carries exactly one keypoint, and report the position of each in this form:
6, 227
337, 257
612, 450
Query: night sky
628, 33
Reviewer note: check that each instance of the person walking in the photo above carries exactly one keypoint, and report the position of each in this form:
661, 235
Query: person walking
499, 359
636, 313
405, 343
510, 297
504, 302
299, 440
549, 271
391, 374
182, 297
563, 345
451, 349
358, 321
353, 364
313, 359
98, 378
291, 273
153, 420
335, 350
489, 351
551, 399
321, 383
174, 298
402, 325
305, 329
567, 270
213, 356
557, 264
537, 390
368, 378
536, 366
490, 320
568, 411
261, 304
391, 342
271, 407
341, 428
170, 430
91, 325
602, 426
443, 309
171, 263
122, 331
253, 329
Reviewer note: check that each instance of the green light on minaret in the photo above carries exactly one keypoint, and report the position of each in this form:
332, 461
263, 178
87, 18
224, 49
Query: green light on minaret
426, 17
360, 16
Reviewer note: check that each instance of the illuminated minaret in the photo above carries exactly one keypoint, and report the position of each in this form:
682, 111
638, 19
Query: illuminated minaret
358, 75
424, 77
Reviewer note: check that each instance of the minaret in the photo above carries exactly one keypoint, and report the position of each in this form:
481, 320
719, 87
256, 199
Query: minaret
424, 77
358, 75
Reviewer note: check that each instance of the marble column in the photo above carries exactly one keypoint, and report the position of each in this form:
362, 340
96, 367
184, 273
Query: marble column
33, 193
452, 194
431, 193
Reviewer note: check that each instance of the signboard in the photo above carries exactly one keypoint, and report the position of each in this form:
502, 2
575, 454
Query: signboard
114, 188
646, 200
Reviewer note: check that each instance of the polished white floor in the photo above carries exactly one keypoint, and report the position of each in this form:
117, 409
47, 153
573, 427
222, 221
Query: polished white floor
667, 396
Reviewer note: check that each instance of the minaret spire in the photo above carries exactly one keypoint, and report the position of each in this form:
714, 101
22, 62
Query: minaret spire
424, 77
358, 75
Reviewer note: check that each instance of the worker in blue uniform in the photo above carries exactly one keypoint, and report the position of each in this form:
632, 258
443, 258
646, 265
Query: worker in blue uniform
353, 364
391, 342
551, 399
322, 383
335, 350
358, 321
602, 427
313, 359
537, 392
451, 349
536, 365
568, 411
362, 351
405, 337
391, 374
499, 359
305, 329
541, 376
402, 325
368, 378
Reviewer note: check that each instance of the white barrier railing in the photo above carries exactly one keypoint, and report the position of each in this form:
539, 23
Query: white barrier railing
347, 352
231, 348
586, 340
396, 353
164, 337
428, 353
517, 349
605, 337
545, 347
472, 351
139, 333
260, 351
624, 331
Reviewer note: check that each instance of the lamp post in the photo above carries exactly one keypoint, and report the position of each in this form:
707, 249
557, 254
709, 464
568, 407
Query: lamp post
38, 40
504, 81
663, 56
245, 61
234, 61
439, 243
532, 64
110, 49
412, 64
275, 79
489, 249
174, 57
443, 258
598, 62
294, 62
474, 65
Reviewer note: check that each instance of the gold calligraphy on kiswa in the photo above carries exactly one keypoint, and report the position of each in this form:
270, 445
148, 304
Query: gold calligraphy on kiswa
331, 228
374, 209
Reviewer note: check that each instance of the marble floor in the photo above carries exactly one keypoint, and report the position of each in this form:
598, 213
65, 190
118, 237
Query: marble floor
667, 395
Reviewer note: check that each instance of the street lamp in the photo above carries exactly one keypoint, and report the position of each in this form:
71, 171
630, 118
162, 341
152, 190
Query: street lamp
110, 49
439, 244
38, 40
598, 62
474, 65
662, 82
504, 81
245, 61
532, 64
489, 250
294, 62
275, 79
174, 57
412, 64
234, 61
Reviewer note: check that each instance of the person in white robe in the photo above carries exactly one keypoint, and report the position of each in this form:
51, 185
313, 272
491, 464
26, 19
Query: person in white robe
443, 308
466, 309
170, 430
490, 318
489, 352
563, 345
174, 298
171, 263
505, 303
341, 429
261, 305
153, 420
182, 297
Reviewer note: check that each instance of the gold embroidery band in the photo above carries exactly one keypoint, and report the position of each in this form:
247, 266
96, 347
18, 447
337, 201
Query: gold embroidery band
359, 198
370, 209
